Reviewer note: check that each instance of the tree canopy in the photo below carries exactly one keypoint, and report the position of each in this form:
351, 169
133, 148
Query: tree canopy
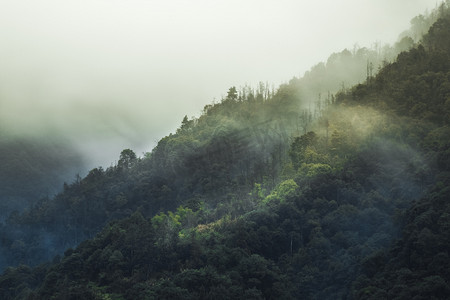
262, 197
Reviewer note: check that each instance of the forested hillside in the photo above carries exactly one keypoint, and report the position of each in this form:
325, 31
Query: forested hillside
33, 168
267, 195
209, 162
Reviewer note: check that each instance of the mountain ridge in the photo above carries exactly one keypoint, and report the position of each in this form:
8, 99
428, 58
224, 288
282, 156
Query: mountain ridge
266, 215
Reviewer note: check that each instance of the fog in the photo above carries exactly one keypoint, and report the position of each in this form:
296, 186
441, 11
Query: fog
115, 74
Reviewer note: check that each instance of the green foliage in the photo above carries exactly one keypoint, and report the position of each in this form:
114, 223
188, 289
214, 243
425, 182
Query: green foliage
284, 191
314, 170
127, 159
303, 149
232, 94
259, 193
238, 205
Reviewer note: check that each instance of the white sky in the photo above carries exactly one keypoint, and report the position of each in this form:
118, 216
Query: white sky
117, 74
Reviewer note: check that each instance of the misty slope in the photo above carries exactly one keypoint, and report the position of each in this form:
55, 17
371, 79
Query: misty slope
417, 266
31, 169
347, 68
208, 163
211, 160
266, 215
20, 167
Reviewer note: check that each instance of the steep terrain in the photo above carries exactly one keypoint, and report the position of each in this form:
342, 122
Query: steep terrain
262, 197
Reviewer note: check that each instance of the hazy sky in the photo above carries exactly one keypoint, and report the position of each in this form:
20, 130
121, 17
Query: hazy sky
116, 74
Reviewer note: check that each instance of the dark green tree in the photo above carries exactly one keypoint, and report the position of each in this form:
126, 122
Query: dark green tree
127, 159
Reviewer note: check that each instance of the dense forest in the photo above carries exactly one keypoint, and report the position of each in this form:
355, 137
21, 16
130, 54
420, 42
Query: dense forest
335, 190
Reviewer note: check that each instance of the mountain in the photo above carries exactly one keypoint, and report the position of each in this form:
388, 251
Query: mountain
33, 168
264, 197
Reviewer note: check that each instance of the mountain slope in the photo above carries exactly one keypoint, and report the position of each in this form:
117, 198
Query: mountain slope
209, 163
279, 215
33, 168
